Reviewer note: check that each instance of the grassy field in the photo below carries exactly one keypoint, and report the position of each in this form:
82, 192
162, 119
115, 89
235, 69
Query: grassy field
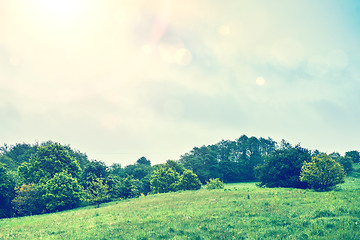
241, 211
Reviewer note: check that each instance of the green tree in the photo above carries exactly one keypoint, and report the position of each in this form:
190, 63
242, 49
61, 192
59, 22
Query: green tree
164, 179
144, 161
353, 155
7, 192
28, 200
46, 162
127, 187
189, 181
346, 162
92, 171
97, 192
322, 172
62, 192
282, 168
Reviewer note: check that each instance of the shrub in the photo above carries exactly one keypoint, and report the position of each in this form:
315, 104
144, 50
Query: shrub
189, 181
28, 200
282, 168
62, 192
214, 184
322, 173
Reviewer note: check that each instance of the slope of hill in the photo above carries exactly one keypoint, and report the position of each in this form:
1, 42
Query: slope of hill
241, 211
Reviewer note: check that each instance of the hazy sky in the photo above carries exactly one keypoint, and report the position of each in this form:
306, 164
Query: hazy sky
122, 79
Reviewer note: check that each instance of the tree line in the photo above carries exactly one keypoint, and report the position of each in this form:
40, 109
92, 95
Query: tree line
50, 177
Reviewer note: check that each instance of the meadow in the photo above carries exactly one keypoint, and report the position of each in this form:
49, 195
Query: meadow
240, 211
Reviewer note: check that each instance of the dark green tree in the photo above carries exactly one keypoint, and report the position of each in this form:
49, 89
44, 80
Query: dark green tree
7, 192
203, 162
282, 168
92, 171
143, 161
353, 155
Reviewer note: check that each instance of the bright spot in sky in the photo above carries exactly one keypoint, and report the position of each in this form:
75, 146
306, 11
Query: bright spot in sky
224, 30
260, 81
183, 57
61, 8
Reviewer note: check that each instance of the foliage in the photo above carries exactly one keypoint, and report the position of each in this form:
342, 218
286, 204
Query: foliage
282, 168
346, 162
143, 161
97, 192
18, 154
189, 181
46, 162
322, 172
126, 187
7, 192
231, 161
62, 192
214, 184
117, 170
203, 162
138, 171
92, 171
164, 179
353, 155
28, 200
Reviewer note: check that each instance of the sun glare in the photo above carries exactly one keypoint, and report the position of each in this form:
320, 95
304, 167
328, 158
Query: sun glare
61, 9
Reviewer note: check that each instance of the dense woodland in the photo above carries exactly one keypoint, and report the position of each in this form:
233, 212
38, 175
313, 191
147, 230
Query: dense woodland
49, 177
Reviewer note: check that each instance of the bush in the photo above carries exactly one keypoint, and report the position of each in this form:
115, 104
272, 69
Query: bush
164, 179
214, 184
322, 173
282, 168
28, 200
189, 181
62, 192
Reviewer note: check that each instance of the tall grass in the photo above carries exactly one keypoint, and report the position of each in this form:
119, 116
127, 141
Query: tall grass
240, 211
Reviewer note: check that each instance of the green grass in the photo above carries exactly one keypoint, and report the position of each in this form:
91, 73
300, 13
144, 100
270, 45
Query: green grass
240, 211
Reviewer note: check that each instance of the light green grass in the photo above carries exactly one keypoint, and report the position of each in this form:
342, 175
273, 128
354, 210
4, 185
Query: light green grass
240, 211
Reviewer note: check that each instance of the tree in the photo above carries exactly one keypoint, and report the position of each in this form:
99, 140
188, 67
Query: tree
164, 179
127, 187
282, 168
47, 161
144, 161
92, 171
346, 162
62, 192
353, 155
322, 172
189, 181
28, 200
97, 192
203, 162
7, 192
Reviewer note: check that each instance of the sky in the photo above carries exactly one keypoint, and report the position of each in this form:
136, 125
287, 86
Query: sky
121, 79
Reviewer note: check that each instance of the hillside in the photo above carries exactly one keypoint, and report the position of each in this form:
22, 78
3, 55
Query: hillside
240, 211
